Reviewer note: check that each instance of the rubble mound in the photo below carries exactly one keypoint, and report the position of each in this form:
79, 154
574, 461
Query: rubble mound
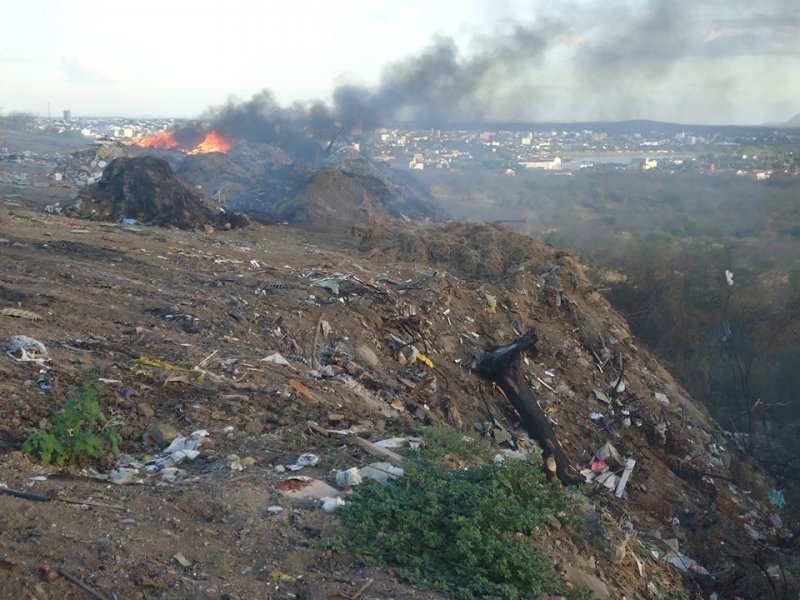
85, 167
467, 249
145, 189
335, 200
258, 159
408, 196
216, 174
251, 178
345, 188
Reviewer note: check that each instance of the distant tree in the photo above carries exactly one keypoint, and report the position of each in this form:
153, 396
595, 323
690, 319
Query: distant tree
17, 121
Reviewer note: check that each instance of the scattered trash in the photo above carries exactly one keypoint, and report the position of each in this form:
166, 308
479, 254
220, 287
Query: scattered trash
274, 510
304, 460
160, 435
5, 490
376, 450
424, 359
403, 442
27, 349
280, 577
49, 575
239, 464
305, 487
332, 504
348, 478
623, 481
330, 284
777, 498
159, 364
607, 451
491, 303
89, 590
514, 454
20, 313
43, 384
129, 470
301, 388
682, 562
661, 397
276, 359
181, 560
382, 472
505, 453
307, 460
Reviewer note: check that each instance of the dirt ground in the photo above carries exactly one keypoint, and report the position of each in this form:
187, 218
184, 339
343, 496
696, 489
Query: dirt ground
178, 324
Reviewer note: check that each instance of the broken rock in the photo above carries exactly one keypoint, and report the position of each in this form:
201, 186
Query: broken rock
160, 435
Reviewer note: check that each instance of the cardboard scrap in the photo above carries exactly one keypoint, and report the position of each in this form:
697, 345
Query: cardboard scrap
300, 388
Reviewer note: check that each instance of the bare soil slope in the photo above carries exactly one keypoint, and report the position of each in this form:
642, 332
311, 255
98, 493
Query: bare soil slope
178, 322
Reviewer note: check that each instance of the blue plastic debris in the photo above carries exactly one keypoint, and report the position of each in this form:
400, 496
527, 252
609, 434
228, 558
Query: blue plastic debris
777, 498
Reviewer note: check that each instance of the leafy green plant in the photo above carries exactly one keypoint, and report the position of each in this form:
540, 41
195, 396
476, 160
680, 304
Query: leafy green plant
469, 533
78, 431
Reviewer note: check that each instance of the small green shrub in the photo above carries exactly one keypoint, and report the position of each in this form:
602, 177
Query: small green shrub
468, 533
78, 431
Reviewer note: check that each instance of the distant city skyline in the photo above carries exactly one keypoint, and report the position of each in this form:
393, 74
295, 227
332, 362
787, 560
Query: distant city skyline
713, 62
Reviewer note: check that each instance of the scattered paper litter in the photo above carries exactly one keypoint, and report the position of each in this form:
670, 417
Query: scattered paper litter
305, 487
382, 472
332, 504
400, 442
276, 359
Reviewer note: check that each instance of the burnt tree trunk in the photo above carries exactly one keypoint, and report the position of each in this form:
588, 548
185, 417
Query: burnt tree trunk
497, 365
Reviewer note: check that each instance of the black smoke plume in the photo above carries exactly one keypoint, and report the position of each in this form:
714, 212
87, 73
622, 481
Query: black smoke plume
620, 54
439, 85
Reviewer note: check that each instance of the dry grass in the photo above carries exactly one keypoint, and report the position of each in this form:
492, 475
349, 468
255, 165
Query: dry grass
472, 250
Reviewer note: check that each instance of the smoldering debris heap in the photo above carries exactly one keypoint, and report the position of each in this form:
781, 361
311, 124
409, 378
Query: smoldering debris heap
252, 177
145, 189
343, 189
406, 196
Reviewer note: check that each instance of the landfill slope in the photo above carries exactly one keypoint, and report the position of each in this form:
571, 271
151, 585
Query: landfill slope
377, 332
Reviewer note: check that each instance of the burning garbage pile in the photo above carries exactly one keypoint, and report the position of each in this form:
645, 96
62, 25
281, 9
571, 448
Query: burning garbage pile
208, 142
251, 177
144, 189
293, 184
295, 164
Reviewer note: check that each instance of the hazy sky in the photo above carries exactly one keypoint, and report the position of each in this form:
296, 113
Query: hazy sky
687, 61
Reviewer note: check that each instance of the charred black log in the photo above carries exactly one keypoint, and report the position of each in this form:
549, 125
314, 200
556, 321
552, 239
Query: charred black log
497, 365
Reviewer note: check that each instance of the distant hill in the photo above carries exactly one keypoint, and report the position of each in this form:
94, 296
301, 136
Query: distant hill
643, 126
794, 121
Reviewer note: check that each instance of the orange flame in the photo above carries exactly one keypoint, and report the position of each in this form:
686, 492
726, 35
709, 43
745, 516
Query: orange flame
213, 142
164, 140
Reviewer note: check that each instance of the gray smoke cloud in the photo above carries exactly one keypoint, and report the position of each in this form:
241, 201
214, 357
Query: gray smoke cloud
609, 55
439, 85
